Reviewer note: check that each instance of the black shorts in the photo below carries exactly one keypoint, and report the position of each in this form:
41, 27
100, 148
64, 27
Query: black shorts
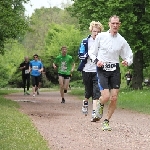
35, 80
65, 76
109, 79
90, 81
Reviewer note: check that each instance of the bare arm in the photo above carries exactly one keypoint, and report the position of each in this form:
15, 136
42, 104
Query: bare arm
73, 67
54, 66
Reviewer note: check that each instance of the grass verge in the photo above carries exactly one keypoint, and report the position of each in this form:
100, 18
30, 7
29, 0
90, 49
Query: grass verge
16, 129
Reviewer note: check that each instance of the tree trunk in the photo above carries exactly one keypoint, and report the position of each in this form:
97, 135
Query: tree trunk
137, 70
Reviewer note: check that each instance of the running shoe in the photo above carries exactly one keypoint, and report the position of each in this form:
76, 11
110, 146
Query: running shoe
63, 100
94, 118
99, 110
84, 109
106, 126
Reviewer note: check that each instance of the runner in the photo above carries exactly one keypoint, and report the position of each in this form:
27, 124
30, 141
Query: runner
106, 51
35, 67
128, 77
66, 65
88, 69
24, 66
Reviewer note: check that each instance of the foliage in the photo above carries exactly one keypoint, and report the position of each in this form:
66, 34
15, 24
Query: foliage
39, 24
13, 22
87, 11
10, 62
58, 36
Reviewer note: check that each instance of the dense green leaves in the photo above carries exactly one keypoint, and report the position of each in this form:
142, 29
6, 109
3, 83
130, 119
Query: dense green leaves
13, 22
39, 24
13, 56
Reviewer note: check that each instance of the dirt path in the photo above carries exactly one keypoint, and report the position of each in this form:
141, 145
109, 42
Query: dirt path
66, 128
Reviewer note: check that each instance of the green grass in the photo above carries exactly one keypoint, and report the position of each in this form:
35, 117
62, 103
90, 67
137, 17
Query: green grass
16, 129
136, 100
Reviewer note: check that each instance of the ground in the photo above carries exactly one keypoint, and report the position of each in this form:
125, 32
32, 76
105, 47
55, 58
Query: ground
64, 127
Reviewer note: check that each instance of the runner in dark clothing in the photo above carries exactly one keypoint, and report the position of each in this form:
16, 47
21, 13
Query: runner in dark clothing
24, 66
128, 76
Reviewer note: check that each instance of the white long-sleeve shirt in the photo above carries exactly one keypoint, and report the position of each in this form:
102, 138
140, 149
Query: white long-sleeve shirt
108, 48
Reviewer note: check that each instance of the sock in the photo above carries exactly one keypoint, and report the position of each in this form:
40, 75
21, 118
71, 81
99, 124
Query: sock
93, 112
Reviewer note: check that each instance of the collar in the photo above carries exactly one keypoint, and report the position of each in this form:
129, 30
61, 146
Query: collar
113, 35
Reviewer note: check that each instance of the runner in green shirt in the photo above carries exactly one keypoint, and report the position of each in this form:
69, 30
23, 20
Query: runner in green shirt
66, 65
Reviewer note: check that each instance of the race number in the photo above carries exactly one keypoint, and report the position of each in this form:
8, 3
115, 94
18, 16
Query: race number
109, 66
35, 67
26, 71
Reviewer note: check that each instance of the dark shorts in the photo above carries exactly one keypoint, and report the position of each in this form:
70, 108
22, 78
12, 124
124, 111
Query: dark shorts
35, 80
109, 79
40, 78
90, 81
65, 76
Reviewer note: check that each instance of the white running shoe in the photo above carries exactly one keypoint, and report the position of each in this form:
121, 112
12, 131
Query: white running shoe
85, 107
94, 118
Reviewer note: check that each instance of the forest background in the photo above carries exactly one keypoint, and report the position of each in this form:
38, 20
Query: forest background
47, 29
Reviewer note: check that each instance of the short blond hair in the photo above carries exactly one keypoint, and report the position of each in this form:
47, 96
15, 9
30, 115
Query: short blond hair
96, 25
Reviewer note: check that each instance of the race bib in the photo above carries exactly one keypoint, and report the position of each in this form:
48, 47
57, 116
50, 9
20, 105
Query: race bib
109, 66
128, 78
26, 71
35, 67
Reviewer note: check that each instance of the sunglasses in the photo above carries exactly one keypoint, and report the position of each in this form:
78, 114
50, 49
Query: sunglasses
35, 57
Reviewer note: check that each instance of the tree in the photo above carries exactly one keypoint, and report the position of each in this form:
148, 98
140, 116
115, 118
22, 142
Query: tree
10, 61
134, 16
39, 24
13, 22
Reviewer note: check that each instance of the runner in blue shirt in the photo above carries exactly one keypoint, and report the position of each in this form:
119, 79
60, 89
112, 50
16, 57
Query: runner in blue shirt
35, 67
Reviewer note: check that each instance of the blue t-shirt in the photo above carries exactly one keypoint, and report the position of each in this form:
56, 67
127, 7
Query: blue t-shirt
35, 65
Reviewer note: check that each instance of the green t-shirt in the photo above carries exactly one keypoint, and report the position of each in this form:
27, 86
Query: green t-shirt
64, 64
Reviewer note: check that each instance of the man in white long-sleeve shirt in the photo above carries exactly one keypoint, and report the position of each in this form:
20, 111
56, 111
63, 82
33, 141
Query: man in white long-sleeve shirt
108, 47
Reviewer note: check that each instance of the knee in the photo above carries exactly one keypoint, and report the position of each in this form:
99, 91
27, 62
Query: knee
113, 98
105, 97
61, 86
